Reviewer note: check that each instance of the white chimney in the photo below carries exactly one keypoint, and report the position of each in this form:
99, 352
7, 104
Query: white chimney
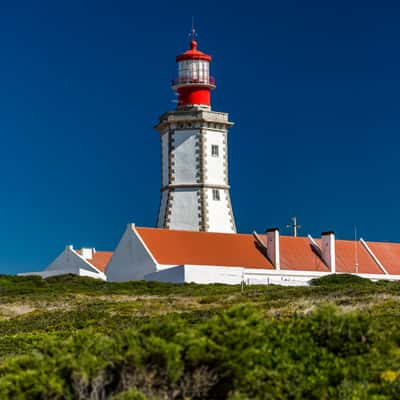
273, 251
87, 253
328, 250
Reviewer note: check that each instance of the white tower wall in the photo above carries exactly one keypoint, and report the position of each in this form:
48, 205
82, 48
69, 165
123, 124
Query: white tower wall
184, 154
195, 186
216, 172
164, 158
184, 210
219, 213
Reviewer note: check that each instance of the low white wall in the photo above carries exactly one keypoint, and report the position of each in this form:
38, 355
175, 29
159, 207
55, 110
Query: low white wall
211, 274
173, 275
85, 272
204, 274
82, 272
46, 274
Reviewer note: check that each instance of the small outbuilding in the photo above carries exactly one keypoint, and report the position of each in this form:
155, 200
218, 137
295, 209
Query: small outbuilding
84, 262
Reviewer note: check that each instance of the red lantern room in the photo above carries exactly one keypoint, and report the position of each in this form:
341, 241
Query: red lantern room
194, 82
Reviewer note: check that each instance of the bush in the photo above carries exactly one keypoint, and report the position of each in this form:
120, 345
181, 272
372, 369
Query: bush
341, 279
84, 341
236, 354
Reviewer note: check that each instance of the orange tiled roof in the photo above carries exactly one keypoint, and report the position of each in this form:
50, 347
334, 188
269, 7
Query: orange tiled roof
100, 259
388, 254
349, 252
297, 254
203, 248
172, 247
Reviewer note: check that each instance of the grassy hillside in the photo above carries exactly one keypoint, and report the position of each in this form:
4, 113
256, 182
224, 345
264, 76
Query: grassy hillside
77, 338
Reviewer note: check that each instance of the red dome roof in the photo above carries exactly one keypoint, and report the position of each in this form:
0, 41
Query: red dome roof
193, 54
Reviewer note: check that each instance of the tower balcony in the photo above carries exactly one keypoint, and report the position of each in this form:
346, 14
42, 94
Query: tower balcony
191, 81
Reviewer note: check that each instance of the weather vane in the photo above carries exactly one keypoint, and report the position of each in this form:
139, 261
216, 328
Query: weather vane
193, 32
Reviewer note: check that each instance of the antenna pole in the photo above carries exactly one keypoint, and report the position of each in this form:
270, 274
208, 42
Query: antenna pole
294, 226
355, 249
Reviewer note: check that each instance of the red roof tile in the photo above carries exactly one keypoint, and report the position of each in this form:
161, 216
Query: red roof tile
388, 254
172, 247
203, 248
348, 251
297, 254
100, 259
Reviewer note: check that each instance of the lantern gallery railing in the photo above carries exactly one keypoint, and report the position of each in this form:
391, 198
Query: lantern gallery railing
187, 80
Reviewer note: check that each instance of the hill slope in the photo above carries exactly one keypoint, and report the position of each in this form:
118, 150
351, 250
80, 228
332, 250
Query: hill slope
77, 338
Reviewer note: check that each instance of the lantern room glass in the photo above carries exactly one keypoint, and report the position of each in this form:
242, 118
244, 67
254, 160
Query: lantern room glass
194, 71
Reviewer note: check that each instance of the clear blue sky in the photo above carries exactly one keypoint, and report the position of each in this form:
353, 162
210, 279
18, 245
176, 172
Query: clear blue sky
312, 86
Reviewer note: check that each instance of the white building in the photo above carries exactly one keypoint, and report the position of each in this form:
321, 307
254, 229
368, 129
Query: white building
206, 257
84, 262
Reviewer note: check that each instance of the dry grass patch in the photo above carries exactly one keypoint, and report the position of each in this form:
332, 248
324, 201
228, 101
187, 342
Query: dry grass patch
14, 309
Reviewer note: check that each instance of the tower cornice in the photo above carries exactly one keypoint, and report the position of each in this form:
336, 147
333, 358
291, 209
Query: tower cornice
192, 116
194, 185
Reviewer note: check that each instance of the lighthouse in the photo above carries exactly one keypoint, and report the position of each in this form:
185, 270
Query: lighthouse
194, 152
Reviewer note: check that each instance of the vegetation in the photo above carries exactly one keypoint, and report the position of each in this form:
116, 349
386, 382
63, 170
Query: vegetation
77, 338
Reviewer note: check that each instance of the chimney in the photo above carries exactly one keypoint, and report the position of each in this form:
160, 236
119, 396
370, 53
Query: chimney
328, 250
87, 253
273, 247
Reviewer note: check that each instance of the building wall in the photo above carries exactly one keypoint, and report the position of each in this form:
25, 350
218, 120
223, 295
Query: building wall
220, 218
184, 155
68, 262
162, 210
173, 275
184, 209
215, 167
165, 159
213, 274
90, 274
131, 260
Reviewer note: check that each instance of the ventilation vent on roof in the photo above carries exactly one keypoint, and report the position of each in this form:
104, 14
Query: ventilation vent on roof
314, 246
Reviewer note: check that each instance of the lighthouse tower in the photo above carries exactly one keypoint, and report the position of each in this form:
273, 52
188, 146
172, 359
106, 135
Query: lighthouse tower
194, 151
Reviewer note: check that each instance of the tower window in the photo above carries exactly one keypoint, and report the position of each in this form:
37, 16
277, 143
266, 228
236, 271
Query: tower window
215, 194
214, 150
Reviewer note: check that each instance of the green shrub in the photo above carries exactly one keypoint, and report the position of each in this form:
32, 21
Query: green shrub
236, 354
340, 279
102, 348
131, 394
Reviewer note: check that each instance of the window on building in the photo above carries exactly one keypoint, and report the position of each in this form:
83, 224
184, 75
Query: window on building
215, 194
214, 150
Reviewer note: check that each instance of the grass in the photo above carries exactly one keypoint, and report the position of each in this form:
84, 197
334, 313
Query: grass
347, 327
